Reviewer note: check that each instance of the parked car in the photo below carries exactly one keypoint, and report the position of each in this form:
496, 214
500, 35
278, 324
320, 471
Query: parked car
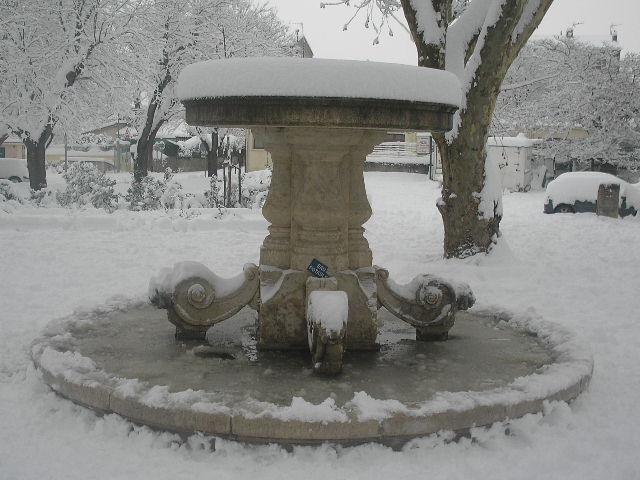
575, 192
14, 169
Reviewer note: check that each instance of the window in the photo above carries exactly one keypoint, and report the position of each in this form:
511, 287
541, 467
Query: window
257, 144
395, 137
2, 152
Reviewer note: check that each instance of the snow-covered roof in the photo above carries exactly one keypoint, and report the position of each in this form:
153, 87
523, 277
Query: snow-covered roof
13, 139
315, 77
174, 129
94, 151
519, 141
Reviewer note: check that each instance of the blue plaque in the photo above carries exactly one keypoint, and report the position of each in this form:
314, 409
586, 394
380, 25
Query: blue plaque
318, 269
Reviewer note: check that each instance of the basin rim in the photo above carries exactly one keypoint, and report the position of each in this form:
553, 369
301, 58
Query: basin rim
324, 112
188, 412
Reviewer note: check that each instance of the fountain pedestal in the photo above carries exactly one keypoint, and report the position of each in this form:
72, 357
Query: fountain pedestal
317, 205
318, 120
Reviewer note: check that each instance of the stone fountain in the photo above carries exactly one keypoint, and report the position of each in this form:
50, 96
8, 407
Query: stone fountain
318, 119
337, 350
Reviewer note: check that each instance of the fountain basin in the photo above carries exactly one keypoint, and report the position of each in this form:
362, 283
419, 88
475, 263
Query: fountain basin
321, 93
124, 359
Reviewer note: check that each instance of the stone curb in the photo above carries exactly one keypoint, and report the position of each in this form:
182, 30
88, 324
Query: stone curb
100, 392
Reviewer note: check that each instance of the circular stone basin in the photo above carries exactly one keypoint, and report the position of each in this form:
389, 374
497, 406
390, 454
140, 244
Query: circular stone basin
124, 359
312, 92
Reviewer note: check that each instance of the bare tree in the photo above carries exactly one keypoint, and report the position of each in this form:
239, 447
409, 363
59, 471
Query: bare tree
477, 40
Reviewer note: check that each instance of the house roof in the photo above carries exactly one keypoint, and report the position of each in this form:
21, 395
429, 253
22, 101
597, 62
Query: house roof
518, 141
13, 139
126, 129
177, 128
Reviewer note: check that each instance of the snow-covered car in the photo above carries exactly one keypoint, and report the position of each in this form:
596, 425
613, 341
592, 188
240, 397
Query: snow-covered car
575, 192
14, 169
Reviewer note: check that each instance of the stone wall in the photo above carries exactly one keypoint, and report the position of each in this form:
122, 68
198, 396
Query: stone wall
396, 167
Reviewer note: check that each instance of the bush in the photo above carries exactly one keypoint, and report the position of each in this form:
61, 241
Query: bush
172, 195
10, 197
255, 187
213, 196
145, 195
153, 193
43, 197
87, 185
8, 192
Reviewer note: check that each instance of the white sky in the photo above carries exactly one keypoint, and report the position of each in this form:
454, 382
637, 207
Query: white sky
323, 27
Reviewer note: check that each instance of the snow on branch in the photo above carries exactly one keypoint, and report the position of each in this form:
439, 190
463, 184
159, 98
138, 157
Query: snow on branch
465, 36
530, 10
431, 26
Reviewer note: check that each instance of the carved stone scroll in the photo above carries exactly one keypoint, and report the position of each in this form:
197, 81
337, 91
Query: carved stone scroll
427, 303
196, 298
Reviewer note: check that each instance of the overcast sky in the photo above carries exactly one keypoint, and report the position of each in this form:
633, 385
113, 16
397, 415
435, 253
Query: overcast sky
323, 27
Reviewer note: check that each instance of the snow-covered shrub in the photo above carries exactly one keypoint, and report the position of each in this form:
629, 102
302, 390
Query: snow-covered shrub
43, 197
255, 187
190, 147
172, 195
146, 194
154, 193
87, 185
10, 197
232, 196
213, 195
8, 192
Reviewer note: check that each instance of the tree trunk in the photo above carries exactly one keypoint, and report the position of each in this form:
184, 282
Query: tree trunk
229, 188
144, 151
141, 162
224, 184
239, 182
472, 214
212, 156
36, 158
36, 165
468, 228
466, 231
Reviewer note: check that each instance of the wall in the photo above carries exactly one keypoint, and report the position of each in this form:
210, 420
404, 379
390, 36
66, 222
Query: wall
257, 158
14, 149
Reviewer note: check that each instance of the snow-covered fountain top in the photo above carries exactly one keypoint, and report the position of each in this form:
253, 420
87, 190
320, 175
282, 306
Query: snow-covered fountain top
289, 91
305, 77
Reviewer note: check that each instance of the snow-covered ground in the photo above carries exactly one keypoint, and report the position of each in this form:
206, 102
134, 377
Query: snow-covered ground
580, 271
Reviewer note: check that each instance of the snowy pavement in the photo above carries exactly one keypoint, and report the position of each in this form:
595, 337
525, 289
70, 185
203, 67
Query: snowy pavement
579, 271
